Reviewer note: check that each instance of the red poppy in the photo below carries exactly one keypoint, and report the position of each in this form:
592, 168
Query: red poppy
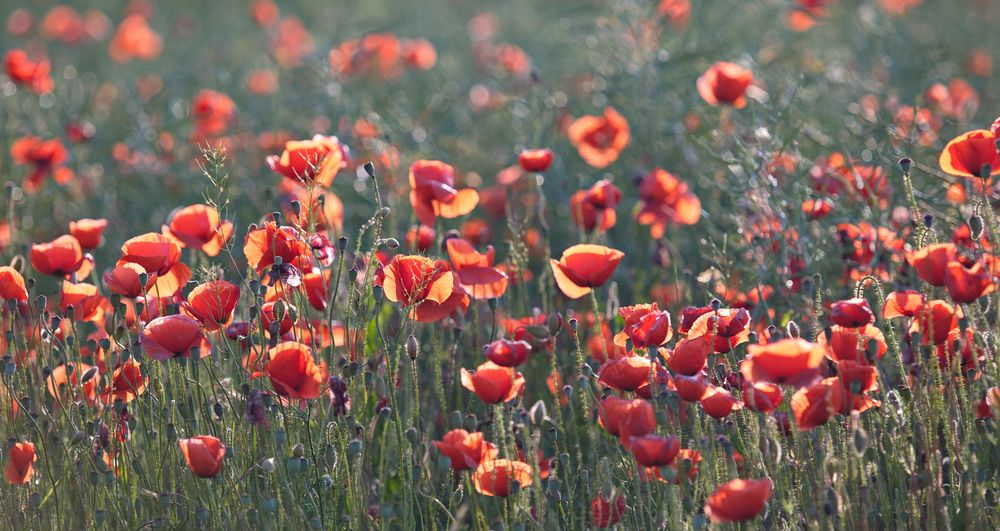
69, 377
507, 353
420, 238
584, 267
604, 513
816, 208
204, 455
931, 261
174, 336
690, 355
600, 139
989, 406
269, 320
966, 154
762, 396
935, 322
213, 303
738, 500
47, 157
88, 232
654, 450
61, 257
494, 477
851, 313
788, 361
492, 383
199, 227
595, 208
965, 285
677, 12
12, 285
263, 245
475, 270
317, 285
411, 280
293, 372
852, 343
691, 388
86, 302
433, 193
125, 280
134, 39
32, 74
903, 303
812, 405
20, 463
645, 325
625, 374
689, 316
535, 160
719, 403
127, 382
418, 53
626, 418
155, 252
319, 160
375, 53
728, 327
465, 450
725, 83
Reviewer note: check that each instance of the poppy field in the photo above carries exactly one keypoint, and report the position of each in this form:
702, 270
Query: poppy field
457, 264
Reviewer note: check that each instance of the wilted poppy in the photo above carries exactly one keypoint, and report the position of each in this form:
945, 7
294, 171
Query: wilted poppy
61, 257
625, 374
738, 500
788, 361
12, 285
600, 139
594, 208
293, 372
199, 227
965, 285
851, 313
494, 477
88, 232
204, 454
20, 463
966, 154
931, 261
475, 270
626, 418
725, 83
465, 450
583, 267
718, 402
535, 160
433, 193
507, 353
654, 450
174, 336
493, 383
316, 160
213, 303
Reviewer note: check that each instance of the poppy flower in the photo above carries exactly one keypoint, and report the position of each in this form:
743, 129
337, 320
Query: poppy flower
46, 157
495, 476
604, 513
691, 388
851, 313
134, 39
319, 160
475, 270
719, 403
931, 261
204, 455
493, 383
725, 83
966, 154
507, 353
126, 281
418, 53
433, 193
989, 405
813, 405
535, 160
816, 208
264, 245
738, 500
689, 356
852, 344
420, 238
199, 227
33, 74
213, 303
789, 361
645, 325
173, 336
20, 463
269, 317
411, 280
87, 304
728, 327
626, 418
156, 253
317, 286
127, 382
293, 372
965, 285
374, 54
69, 376
654, 450
625, 374
583, 267
935, 322
600, 139
595, 208
61, 257
466, 450
689, 316
212, 113
88, 232
762, 396
12, 285
903, 303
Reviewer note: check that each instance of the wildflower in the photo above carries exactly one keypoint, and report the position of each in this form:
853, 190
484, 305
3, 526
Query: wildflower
433, 193
625, 374
199, 227
134, 39
465, 450
584, 267
204, 455
719, 403
494, 477
61, 257
33, 74
600, 139
126, 280
626, 418
851, 313
293, 372
595, 208
535, 160
319, 160
654, 450
20, 463
493, 383
664, 200
788, 361
507, 353
725, 83
88, 232
645, 325
738, 500
174, 336
966, 154
213, 303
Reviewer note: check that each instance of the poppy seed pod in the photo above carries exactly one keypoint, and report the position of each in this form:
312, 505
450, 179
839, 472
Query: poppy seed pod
412, 347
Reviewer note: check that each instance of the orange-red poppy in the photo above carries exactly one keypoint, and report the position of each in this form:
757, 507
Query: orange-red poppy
155, 252
412, 279
127, 382
594, 208
69, 377
318, 159
965, 285
931, 261
507, 353
535, 160
204, 454
903, 303
966, 154
852, 344
12, 285
762, 396
126, 280
420, 238
738, 500
24, 71
813, 405
689, 356
494, 477
46, 157
61, 257
475, 270
935, 322
645, 325
626, 418
493, 383
851, 313
583, 267
691, 388
88, 232
728, 327
719, 403
816, 208
199, 227
600, 139
433, 193
20, 463
86, 302
788, 361
263, 245
213, 303
174, 336
466, 450
605, 513
134, 39
654, 450
625, 374
725, 83
293, 372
